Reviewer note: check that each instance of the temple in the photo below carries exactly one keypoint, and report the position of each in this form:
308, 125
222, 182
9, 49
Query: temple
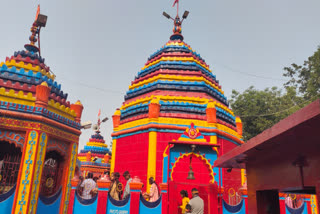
95, 156
174, 125
39, 134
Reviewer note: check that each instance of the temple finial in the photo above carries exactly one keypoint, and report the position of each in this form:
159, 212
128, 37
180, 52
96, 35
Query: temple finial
177, 22
40, 21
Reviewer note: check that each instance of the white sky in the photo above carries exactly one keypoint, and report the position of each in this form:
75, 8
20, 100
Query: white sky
96, 47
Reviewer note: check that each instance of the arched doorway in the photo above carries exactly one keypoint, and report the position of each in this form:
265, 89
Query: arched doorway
10, 157
52, 173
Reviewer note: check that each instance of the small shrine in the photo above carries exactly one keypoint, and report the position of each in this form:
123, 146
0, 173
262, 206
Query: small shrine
95, 156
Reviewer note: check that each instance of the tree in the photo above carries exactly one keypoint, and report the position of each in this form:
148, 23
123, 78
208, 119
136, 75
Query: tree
306, 77
261, 109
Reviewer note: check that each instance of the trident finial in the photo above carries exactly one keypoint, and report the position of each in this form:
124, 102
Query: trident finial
177, 22
39, 22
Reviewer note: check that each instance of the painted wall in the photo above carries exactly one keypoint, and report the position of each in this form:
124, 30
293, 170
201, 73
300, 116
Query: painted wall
132, 155
6, 201
49, 205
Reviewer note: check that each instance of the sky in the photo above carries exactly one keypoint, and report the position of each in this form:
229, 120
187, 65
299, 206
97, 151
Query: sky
96, 47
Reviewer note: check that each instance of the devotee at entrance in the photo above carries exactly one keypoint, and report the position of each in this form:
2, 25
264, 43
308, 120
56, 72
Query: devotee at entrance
185, 201
115, 186
196, 203
88, 186
154, 190
128, 178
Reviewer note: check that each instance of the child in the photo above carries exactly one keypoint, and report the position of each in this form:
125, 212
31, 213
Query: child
185, 200
188, 208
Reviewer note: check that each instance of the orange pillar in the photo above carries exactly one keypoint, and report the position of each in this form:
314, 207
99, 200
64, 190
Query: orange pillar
211, 112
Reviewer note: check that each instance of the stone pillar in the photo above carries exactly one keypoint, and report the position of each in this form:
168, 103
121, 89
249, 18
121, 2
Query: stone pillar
28, 182
239, 125
42, 95
70, 166
77, 108
103, 185
154, 108
135, 188
211, 112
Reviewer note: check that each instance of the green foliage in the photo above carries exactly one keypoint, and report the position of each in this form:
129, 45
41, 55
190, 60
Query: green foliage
306, 77
261, 109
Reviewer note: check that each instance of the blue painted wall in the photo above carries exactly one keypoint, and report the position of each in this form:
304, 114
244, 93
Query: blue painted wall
146, 210
113, 209
6, 201
83, 208
299, 211
237, 209
50, 208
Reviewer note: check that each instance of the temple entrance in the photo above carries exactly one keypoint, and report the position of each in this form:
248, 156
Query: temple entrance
52, 173
10, 157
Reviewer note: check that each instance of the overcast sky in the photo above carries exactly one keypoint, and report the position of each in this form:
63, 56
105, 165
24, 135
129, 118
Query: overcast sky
96, 47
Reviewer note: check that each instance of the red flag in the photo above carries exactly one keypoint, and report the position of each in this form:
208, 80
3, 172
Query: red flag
38, 11
99, 113
175, 2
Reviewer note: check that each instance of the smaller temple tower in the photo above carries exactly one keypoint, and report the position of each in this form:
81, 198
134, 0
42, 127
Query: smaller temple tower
96, 156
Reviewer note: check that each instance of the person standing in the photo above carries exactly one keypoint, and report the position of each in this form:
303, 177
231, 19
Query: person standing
88, 185
196, 203
185, 201
115, 192
154, 191
128, 178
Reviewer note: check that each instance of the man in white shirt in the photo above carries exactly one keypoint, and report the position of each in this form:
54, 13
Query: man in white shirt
196, 203
128, 178
88, 185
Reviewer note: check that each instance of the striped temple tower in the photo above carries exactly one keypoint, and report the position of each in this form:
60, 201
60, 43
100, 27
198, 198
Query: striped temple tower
174, 89
95, 156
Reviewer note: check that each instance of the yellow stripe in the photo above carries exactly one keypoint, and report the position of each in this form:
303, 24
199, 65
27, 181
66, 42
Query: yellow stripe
177, 121
152, 156
243, 176
62, 110
174, 77
184, 59
28, 67
194, 100
113, 156
314, 204
72, 165
38, 173
28, 161
16, 97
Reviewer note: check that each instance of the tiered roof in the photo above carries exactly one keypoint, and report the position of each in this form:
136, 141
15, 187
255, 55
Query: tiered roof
179, 78
21, 73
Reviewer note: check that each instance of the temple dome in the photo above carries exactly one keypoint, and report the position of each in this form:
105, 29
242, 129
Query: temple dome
182, 81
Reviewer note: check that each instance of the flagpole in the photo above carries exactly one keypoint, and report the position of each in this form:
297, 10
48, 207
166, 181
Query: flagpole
178, 8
